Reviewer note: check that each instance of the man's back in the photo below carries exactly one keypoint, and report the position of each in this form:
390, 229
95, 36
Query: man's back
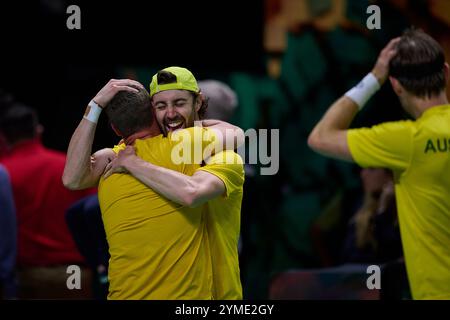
419, 154
41, 201
424, 198
159, 250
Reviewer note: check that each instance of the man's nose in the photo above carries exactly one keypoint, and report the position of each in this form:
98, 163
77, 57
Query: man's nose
171, 112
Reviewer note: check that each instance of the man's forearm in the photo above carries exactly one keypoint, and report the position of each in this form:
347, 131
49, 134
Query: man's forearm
342, 112
338, 117
78, 163
173, 185
329, 135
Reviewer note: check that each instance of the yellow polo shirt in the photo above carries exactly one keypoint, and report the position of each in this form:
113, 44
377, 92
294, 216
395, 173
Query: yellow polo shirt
418, 152
223, 224
159, 250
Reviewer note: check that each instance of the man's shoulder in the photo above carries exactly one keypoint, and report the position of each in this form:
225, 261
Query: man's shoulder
42, 154
226, 158
228, 166
396, 125
390, 129
194, 133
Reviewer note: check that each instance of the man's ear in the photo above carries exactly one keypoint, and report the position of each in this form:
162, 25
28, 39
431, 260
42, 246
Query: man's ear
117, 131
199, 101
398, 89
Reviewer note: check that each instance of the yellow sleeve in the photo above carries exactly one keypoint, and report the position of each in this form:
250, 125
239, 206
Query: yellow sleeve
388, 145
193, 145
121, 146
228, 167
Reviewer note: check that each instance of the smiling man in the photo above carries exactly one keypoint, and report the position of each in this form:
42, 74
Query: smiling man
176, 99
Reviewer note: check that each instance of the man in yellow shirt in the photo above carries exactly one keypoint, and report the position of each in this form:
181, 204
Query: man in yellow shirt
159, 250
418, 152
219, 183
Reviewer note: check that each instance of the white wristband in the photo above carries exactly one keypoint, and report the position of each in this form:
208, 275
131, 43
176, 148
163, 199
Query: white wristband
92, 112
362, 92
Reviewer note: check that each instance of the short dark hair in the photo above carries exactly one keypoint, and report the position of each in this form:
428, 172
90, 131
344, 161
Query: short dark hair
130, 112
419, 64
18, 122
166, 77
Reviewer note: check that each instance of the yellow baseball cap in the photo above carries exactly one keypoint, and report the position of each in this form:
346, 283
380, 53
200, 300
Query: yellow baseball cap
185, 81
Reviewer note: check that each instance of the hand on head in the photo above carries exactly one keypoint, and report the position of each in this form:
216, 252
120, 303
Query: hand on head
118, 164
104, 96
381, 68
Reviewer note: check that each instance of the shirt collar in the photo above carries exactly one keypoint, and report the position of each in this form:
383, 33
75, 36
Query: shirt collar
435, 109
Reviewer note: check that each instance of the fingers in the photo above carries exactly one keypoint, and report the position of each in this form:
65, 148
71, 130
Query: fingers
391, 49
113, 167
393, 42
125, 88
129, 150
126, 85
126, 82
108, 171
385, 57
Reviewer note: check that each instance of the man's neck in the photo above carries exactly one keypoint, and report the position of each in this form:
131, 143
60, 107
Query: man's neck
150, 132
422, 105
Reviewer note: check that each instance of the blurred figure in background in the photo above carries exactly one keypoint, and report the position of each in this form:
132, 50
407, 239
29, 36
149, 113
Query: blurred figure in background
8, 234
45, 247
222, 100
85, 223
373, 234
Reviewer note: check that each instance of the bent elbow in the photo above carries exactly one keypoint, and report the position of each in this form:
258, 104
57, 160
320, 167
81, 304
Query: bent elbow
314, 141
70, 183
190, 201
191, 198
318, 143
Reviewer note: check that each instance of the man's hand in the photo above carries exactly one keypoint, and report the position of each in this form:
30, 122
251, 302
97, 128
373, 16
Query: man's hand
104, 96
230, 135
119, 163
381, 69
387, 197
